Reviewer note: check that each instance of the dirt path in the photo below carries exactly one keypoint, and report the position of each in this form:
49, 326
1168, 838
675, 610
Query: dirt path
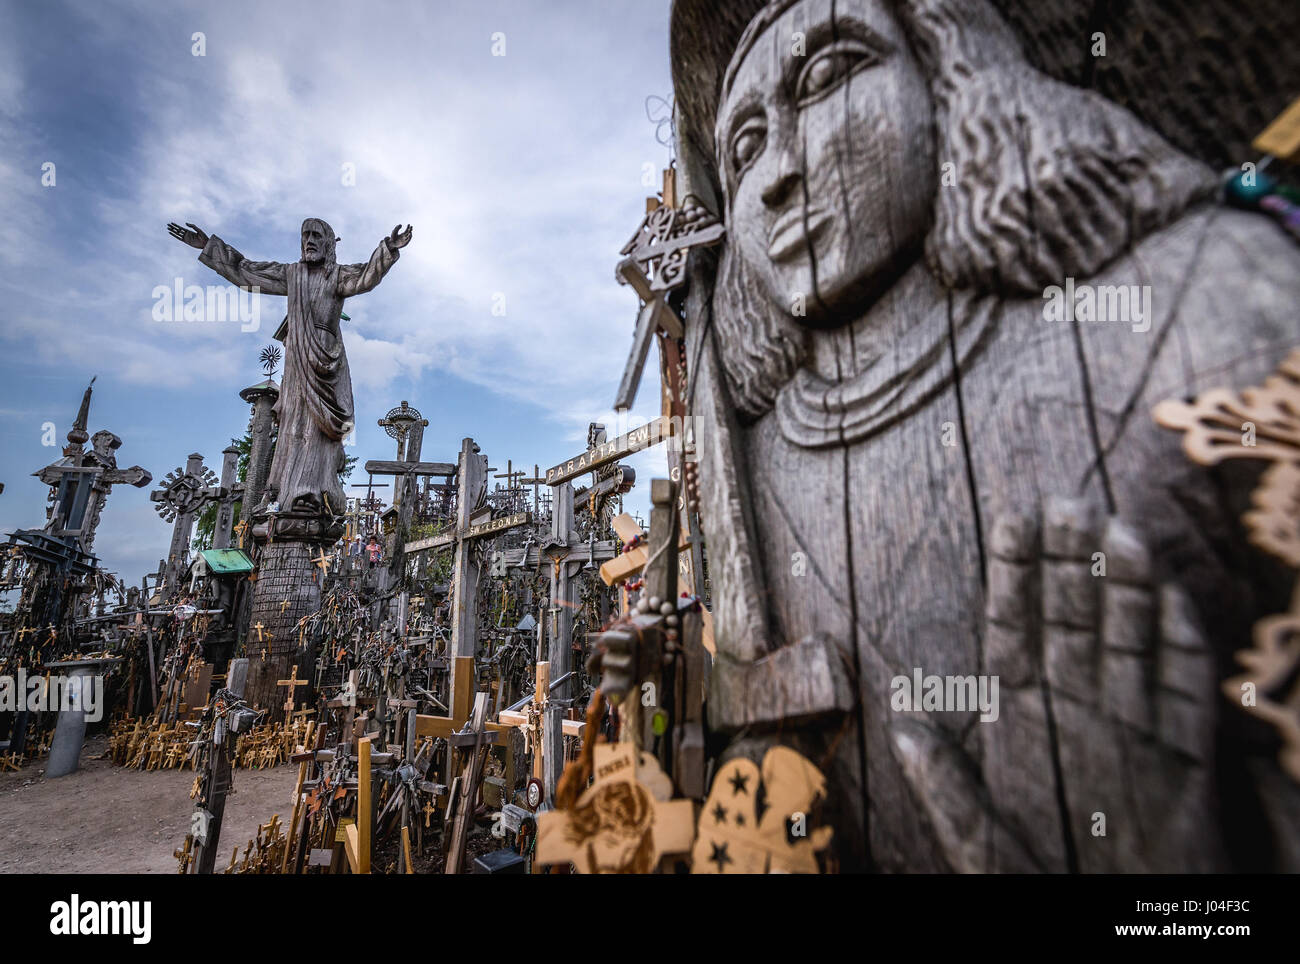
104, 819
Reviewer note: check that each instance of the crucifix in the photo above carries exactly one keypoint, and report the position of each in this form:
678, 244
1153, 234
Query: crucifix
99, 475
568, 555
231, 718
82, 492
660, 643
401, 424
654, 264
80, 483
406, 426
534, 719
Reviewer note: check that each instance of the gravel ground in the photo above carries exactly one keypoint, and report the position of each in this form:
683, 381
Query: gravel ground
105, 819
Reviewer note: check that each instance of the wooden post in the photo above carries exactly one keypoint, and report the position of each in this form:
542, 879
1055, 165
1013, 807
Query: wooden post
661, 584
467, 788
471, 482
365, 818
357, 843
559, 655
295, 819
219, 775
543, 681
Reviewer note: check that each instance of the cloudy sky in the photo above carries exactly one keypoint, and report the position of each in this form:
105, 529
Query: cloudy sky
523, 175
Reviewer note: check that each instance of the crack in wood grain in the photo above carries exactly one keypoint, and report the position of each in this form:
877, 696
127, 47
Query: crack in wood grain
1171, 321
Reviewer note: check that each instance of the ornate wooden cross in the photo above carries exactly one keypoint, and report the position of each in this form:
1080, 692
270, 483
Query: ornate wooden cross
654, 264
184, 492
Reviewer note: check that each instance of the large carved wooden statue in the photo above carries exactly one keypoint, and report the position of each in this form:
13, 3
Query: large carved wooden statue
302, 509
915, 463
314, 410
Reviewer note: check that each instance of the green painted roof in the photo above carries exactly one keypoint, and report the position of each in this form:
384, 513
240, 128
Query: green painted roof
226, 560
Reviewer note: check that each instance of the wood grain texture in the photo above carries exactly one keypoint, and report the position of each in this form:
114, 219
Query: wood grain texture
908, 467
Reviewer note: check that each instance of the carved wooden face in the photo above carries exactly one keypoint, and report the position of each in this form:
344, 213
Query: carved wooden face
317, 241
826, 151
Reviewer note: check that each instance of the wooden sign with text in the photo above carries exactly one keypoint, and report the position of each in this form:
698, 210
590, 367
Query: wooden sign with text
491, 527
652, 433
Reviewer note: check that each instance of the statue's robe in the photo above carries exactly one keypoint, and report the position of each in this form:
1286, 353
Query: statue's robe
314, 410
842, 513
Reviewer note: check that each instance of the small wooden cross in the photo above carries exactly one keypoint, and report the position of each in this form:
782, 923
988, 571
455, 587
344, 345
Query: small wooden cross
324, 562
284, 604
242, 528
293, 683
186, 856
259, 627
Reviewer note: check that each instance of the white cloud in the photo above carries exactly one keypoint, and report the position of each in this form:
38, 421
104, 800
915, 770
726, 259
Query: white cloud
520, 174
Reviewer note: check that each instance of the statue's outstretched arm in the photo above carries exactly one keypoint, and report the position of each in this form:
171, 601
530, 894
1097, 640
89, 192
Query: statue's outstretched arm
355, 279
268, 277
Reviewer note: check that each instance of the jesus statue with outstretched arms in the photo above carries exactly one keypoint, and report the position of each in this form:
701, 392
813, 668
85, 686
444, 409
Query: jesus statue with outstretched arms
314, 410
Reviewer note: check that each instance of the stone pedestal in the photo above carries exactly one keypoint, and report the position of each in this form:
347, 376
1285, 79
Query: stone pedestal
288, 588
70, 730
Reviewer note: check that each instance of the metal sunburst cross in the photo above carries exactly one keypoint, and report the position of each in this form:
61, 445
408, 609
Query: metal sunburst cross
270, 359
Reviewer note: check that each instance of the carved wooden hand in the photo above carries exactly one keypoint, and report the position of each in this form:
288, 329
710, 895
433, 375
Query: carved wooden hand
195, 237
399, 238
1102, 751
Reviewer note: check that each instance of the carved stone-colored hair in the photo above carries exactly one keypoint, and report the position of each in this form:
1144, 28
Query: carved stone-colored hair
1051, 181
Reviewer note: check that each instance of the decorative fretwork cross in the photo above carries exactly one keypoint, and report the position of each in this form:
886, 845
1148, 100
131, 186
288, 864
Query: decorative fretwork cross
184, 492
654, 264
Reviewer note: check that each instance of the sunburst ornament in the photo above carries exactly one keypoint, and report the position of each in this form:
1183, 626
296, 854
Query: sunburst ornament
1261, 422
270, 359
182, 492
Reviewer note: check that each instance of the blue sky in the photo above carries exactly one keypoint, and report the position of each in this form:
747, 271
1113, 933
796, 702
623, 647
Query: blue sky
523, 175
